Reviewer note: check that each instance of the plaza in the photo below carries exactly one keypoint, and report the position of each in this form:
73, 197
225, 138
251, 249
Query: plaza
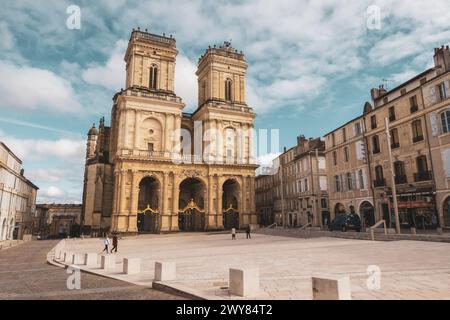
409, 269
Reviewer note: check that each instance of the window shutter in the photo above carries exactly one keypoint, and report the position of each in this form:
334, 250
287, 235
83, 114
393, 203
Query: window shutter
446, 161
357, 186
359, 153
433, 94
447, 88
354, 129
434, 124
364, 179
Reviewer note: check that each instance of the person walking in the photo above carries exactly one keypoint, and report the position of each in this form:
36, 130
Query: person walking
114, 243
106, 243
233, 234
247, 231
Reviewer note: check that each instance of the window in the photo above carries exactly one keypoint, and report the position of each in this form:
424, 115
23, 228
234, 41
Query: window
346, 156
373, 122
417, 131
334, 158
358, 130
442, 93
349, 181
324, 203
333, 139
392, 114
337, 184
361, 179
228, 91
413, 106
445, 119
153, 76
399, 169
422, 165
379, 182
403, 91
375, 144
395, 142
306, 184
150, 147
344, 135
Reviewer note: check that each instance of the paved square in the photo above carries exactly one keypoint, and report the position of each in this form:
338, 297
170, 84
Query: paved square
409, 269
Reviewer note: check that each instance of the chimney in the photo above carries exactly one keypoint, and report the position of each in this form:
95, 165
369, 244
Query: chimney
284, 149
375, 93
301, 140
382, 90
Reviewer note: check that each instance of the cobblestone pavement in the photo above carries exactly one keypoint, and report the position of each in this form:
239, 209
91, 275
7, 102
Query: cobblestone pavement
409, 269
25, 274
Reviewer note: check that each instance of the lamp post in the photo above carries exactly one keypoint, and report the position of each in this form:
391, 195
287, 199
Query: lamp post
394, 187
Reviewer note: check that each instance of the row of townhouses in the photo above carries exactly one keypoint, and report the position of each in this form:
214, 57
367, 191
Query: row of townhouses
350, 169
17, 198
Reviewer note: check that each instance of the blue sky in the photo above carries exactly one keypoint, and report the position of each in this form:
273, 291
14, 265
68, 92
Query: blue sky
311, 66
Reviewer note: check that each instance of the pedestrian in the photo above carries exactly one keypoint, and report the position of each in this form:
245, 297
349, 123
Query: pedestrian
247, 231
233, 234
106, 243
114, 243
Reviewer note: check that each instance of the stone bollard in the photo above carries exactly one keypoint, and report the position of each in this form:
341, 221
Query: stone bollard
108, 262
244, 282
58, 254
372, 234
90, 259
131, 265
165, 271
77, 258
68, 256
439, 231
413, 231
331, 288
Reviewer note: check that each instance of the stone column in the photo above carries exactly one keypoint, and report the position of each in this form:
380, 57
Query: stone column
252, 200
219, 203
177, 128
243, 210
134, 196
165, 225
175, 199
166, 134
122, 216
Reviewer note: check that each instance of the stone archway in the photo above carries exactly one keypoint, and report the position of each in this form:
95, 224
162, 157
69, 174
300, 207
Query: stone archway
447, 212
367, 214
230, 204
3, 230
148, 218
191, 214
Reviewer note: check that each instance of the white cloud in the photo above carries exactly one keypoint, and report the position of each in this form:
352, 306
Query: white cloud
68, 150
31, 88
52, 192
112, 74
186, 81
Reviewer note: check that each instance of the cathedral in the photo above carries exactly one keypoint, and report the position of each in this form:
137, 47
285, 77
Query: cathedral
159, 169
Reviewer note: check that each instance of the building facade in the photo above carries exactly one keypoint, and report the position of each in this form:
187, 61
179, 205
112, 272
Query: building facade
159, 169
57, 220
17, 197
295, 194
411, 119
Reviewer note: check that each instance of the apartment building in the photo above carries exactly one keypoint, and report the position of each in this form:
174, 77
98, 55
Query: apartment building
295, 193
17, 197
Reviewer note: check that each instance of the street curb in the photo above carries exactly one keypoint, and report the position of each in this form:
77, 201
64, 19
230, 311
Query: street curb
176, 290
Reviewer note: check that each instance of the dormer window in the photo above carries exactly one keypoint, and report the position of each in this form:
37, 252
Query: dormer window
153, 76
228, 89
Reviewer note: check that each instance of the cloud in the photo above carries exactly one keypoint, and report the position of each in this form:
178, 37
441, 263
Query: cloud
111, 75
29, 88
52, 192
186, 81
64, 149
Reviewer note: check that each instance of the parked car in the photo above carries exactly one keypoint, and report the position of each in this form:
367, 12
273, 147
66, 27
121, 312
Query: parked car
344, 222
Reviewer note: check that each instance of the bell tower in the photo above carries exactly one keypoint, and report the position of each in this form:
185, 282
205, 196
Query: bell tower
150, 61
221, 75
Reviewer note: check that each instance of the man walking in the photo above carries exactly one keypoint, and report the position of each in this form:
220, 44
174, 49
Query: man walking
114, 243
247, 231
233, 234
106, 243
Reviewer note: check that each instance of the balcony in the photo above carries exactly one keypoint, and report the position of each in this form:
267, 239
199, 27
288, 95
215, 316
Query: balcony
399, 179
422, 176
395, 145
417, 138
379, 183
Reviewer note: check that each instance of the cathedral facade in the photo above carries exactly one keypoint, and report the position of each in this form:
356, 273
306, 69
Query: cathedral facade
157, 168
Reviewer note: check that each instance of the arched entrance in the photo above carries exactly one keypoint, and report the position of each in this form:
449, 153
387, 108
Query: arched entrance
447, 212
3, 230
339, 208
148, 206
230, 205
191, 216
367, 212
